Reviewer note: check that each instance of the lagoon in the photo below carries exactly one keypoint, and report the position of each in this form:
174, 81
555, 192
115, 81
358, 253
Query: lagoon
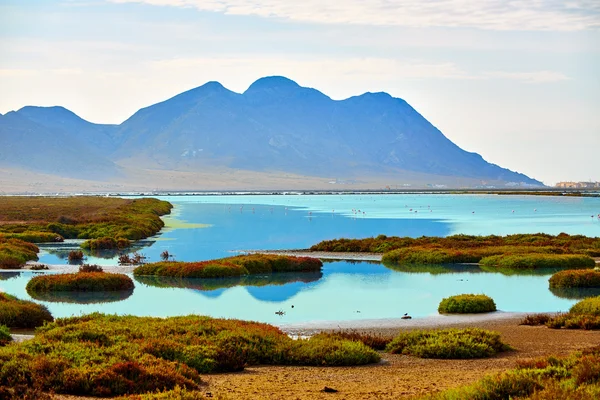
206, 227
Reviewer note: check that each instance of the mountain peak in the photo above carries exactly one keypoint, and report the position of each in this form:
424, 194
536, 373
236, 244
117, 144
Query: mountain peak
272, 83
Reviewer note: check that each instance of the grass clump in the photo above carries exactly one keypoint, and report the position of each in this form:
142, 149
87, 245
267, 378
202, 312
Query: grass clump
102, 355
448, 343
237, 266
79, 282
467, 304
5, 336
571, 378
14, 253
576, 279
535, 261
90, 268
535, 319
16, 313
374, 341
583, 315
106, 243
590, 306
75, 256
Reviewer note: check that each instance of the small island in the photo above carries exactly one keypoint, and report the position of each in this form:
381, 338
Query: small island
237, 266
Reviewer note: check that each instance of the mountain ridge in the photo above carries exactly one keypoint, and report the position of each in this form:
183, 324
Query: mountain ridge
274, 125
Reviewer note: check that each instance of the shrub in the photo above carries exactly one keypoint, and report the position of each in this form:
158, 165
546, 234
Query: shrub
106, 243
39, 267
535, 319
90, 268
16, 313
75, 256
448, 343
79, 282
575, 279
374, 341
14, 253
467, 304
5, 337
231, 267
590, 306
104, 355
531, 261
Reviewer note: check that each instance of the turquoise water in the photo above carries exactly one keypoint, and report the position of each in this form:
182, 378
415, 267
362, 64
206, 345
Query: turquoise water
344, 291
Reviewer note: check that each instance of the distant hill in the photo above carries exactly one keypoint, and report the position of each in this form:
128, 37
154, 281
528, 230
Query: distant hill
47, 149
275, 125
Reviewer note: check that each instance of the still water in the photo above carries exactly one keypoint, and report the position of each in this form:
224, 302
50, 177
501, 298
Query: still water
206, 227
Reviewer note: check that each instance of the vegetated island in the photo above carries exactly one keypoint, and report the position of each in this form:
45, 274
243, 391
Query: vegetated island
231, 267
520, 251
107, 222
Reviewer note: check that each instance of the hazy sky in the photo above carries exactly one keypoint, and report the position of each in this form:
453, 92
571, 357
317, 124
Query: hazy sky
516, 81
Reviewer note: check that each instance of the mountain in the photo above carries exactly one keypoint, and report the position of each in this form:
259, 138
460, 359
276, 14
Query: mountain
276, 125
45, 148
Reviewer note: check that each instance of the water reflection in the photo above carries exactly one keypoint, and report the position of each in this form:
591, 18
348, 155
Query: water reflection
9, 275
59, 252
575, 293
83, 297
435, 269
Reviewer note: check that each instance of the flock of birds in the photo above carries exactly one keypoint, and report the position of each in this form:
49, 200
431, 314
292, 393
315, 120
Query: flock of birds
357, 212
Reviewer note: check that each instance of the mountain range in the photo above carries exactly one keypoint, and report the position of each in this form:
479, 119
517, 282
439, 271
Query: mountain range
274, 127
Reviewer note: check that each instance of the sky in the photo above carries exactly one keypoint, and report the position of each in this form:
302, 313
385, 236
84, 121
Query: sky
515, 81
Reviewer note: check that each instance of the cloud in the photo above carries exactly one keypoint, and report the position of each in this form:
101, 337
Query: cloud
353, 69
533, 15
529, 77
348, 67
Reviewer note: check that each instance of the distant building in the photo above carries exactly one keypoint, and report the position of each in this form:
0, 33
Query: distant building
578, 185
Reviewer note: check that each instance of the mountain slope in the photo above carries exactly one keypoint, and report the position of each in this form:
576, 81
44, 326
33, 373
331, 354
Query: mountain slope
31, 146
275, 126
278, 125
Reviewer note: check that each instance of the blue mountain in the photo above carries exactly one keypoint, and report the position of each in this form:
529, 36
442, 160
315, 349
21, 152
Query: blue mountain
275, 125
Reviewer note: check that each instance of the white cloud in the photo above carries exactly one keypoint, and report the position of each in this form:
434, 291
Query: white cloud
529, 77
483, 14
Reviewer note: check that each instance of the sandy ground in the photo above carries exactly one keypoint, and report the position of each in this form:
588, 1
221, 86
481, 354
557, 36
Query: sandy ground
400, 376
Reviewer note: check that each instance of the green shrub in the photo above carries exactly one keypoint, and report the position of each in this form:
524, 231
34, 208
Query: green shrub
231, 267
106, 243
532, 261
5, 336
575, 279
374, 341
590, 306
16, 313
103, 355
467, 304
448, 343
79, 282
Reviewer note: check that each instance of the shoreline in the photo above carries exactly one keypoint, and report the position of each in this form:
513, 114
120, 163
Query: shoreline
308, 328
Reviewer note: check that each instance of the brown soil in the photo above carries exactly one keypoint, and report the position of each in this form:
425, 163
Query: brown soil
399, 376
